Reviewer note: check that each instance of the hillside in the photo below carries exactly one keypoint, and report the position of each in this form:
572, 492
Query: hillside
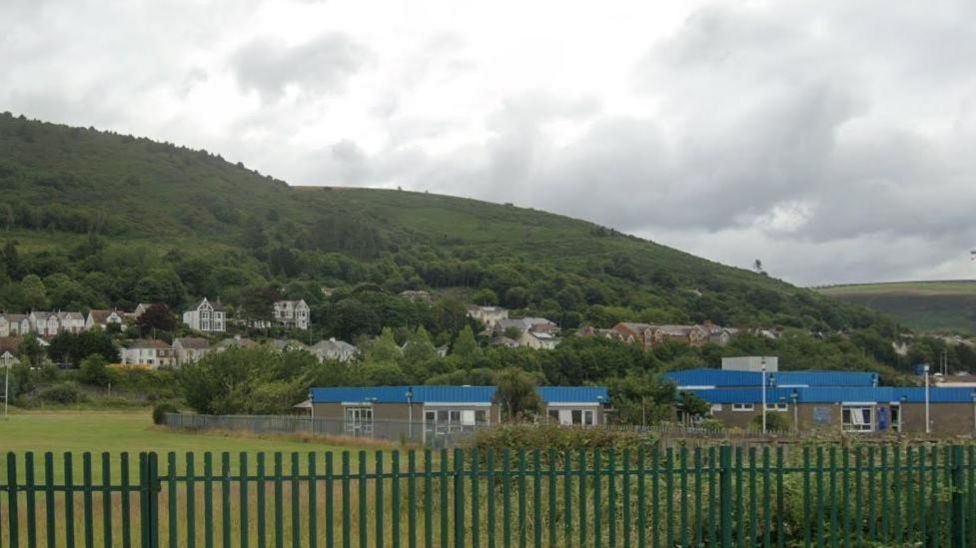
943, 306
110, 220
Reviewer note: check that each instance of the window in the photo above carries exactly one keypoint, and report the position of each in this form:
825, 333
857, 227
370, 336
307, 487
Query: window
782, 407
857, 419
467, 417
716, 408
481, 416
589, 418
743, 407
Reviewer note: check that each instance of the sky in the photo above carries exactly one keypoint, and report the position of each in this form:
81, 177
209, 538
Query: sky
831, 139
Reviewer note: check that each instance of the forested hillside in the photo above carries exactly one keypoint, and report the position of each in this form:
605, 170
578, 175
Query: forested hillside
97, 219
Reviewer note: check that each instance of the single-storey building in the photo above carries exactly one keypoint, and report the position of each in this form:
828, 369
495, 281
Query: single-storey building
831, 400
423, 413
575, 405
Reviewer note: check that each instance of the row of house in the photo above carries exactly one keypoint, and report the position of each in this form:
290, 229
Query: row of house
850, 402
154, 353
432, 411
536, 333
211, 317
49, 324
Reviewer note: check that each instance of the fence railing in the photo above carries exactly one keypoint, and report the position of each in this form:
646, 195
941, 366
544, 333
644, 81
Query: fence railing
418, 431
719, 496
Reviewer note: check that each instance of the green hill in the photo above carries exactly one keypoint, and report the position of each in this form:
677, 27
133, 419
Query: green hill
104, 219
926, 306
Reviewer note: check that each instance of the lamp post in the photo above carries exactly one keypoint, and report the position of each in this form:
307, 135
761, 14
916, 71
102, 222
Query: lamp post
764, 395
901, 412
6, 389
600, 399
973, 395
311, 406
409, 396
795, 397
928, 424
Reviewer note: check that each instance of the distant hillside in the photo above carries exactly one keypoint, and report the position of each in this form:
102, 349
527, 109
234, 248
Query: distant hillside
925, 306
110, 220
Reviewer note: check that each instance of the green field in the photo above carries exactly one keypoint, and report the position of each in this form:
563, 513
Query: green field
130, 431
945, 306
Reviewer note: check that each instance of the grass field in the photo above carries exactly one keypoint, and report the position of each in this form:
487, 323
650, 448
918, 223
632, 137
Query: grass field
945, 306
132, 431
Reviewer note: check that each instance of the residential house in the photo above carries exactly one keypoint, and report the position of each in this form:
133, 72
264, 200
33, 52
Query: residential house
44, 323
503, 341
8, 350
187, 350
488, 315
153, 353
333, 350
590, 331
235, 342
103, 319
691, 335
636, 333
292, 314
291, 344
71, 322
206, 316
14, 324
538, 340
140, 308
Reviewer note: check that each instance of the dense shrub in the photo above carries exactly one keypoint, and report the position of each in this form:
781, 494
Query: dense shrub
546, 437
62, 393
160, 409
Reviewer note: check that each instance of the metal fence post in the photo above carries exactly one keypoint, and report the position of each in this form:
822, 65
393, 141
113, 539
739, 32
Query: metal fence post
958, 498
725, 494
149, 488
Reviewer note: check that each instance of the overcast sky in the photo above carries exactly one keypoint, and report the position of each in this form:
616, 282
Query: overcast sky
833, 140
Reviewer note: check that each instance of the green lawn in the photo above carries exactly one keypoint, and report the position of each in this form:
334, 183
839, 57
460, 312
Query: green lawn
117, 432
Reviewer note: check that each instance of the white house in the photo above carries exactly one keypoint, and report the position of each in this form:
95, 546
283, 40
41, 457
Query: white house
43, 323
333, 350
140, 308
103, 319
13, 324
72, 322
488, 315
206, 316
292, 313
188, 350
153, 353
538, 340
8, 350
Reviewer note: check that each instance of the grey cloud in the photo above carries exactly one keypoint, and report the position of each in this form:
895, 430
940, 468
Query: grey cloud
322, 65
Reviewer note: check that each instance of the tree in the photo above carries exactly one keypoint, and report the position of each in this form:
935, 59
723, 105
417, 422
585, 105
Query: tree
257, 303
516, 394
34, 293
94, 370
485, 297
30, 351
465, 346
158, 317
641, 399
691, 408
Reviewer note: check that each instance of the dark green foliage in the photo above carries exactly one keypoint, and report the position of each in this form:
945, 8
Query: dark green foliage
156, 317
73, 348
775, 422
160, 409
546, 436
62, 393
94, 371
516, 394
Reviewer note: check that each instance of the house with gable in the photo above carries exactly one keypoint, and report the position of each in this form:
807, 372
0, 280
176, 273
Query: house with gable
103, 319
206, 317
292, 314
8, 350
334, 350
147, 352
72, 322
14, 324
187, 350
44, 323
488, 315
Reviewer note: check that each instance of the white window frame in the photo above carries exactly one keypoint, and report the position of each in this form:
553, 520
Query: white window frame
715, 408
858, 422
778, 407
743, 407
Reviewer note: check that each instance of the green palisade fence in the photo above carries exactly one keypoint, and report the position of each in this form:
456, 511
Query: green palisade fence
785, 496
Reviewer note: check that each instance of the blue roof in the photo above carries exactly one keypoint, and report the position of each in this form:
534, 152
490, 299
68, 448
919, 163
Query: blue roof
833, 395
574, 394
731, 378
398, 394
452, 394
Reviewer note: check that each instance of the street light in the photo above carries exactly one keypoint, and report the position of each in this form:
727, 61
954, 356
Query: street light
311, 405
974, 411
901, 412
764, 394
409, 396
795, 397
928, 424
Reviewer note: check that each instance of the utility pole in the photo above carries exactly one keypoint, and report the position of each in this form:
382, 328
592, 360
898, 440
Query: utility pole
6, 389
928, 425
764, 395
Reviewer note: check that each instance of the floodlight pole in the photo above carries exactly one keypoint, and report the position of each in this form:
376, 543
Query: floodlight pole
928, 425
409, 396
764, 395
6, 389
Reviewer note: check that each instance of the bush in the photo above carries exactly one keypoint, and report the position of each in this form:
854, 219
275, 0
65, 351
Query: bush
62, 393
161, 409
550, 436
775, 422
